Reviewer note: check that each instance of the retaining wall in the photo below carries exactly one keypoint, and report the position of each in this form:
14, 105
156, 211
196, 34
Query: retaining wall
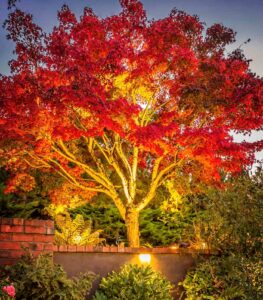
172, 263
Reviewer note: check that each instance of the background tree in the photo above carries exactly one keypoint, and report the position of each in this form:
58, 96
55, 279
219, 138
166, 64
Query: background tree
122, 104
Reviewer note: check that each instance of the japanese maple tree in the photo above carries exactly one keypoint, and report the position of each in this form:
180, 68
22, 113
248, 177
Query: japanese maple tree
121, 105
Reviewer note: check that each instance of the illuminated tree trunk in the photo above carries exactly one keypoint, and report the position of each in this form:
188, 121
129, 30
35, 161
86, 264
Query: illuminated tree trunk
132, 225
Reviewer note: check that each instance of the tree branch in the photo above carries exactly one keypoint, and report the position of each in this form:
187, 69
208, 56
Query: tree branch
100, 178
154, 185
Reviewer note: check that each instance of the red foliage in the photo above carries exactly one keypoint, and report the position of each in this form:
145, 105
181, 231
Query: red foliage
181, 98
70, 195
20, 182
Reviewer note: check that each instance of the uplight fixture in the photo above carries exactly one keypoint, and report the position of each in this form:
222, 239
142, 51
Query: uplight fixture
145, 258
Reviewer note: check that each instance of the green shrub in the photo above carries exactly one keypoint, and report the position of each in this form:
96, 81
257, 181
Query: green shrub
39, 278
134, 283
230, 221
160, 228
103, 216
225, 278
157, 228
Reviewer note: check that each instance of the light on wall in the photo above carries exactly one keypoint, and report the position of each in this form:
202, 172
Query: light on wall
145, 258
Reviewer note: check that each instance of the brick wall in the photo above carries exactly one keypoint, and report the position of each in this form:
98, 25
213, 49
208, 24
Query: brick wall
37, 235
113, 249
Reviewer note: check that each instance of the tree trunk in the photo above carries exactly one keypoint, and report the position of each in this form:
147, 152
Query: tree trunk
132, 226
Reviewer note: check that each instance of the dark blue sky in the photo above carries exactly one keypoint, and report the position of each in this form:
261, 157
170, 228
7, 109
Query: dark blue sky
244, 16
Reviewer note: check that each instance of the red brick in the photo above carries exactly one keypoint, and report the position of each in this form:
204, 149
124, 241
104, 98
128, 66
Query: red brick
35, 229
41, 223
55, 248
42, 238
97, 248
6, 221
80, 249
22, 237
47, 252
63, 248
159, 250
89, 249
10, 245
50, 231
50, 223
18, 221
7, 261
145, 250
5, 236
173, 250
12, 228
135, 250
113, 249
105, 249
72, 248
34, 246
170, 250
5, 253
127, 249
16, 254
48, 247
121, 249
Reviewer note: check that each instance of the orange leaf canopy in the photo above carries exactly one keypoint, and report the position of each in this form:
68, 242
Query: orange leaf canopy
165, 87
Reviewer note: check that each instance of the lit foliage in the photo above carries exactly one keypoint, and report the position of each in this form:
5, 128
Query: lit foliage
134, 282
75, 231
232, 277
20, 181
70, 196
124, 99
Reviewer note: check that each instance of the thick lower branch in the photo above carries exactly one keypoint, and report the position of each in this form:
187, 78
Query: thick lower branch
154, 185
100, 178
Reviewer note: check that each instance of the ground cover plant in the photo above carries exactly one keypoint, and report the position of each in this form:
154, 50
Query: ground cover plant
120, 105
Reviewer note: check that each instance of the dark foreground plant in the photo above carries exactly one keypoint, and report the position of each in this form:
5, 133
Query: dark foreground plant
134, 282
39, 278
225, 278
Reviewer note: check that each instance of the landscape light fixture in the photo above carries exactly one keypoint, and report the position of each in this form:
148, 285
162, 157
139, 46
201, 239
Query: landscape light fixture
145, 258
